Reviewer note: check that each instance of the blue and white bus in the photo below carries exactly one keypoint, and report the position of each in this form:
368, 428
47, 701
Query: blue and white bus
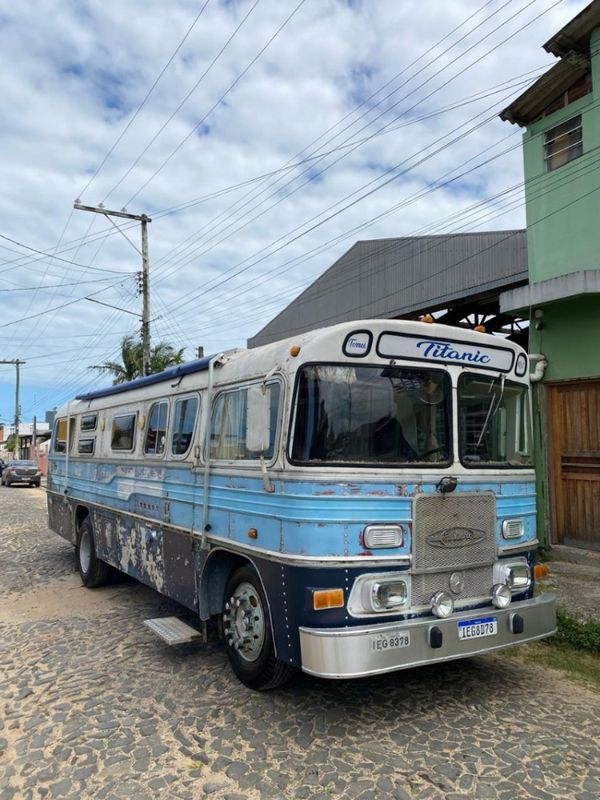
350, 501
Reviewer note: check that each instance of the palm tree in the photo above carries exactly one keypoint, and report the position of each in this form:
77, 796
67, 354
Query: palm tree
162, 355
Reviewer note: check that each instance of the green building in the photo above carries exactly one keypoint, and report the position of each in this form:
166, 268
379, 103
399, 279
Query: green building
561, 151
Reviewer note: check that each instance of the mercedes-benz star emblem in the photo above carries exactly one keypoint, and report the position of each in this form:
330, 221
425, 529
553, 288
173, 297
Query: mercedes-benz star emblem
456, 583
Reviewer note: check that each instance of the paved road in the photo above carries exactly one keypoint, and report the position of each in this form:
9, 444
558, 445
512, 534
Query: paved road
93, 706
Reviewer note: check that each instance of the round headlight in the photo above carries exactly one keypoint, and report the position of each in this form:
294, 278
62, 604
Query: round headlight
501, 595
442, 605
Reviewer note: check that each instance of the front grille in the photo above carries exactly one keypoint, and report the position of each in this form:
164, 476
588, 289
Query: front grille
453, 533
477, 586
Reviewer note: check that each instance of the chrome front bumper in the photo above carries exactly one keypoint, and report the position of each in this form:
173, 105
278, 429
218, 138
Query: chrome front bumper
348, 652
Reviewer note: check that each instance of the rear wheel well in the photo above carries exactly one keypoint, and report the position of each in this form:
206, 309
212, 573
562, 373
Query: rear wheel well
81, 512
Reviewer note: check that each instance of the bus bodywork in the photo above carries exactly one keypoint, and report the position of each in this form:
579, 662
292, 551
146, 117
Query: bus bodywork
351, 501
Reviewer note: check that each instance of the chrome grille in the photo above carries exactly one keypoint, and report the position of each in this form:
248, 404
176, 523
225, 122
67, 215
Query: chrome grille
453, 531
477, 586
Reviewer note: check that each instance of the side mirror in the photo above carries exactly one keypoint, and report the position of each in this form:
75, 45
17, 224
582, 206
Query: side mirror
258, 419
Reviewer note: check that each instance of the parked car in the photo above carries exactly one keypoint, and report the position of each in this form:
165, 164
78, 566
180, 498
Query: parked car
2, 465
21, 472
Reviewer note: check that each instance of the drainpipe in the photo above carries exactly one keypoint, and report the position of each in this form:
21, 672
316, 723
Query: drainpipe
537, 365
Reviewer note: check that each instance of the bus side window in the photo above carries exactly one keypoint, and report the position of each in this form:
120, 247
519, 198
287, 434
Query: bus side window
228, 428
156, 435
60, 435
184, 420
123, 432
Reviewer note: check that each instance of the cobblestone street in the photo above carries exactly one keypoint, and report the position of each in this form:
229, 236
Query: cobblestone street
92, 705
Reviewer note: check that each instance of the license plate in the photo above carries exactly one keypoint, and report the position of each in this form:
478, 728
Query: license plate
477, 628
389, 641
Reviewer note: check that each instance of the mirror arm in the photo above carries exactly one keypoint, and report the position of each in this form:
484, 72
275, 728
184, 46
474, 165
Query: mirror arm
266, 479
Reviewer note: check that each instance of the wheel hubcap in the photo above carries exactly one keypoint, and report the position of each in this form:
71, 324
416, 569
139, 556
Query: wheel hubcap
244, 622
85, 551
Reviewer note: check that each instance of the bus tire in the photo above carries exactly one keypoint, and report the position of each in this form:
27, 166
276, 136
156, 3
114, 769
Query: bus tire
93, 572
248, 634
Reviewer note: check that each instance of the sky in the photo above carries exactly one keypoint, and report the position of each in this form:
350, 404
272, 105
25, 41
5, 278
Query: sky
262, 138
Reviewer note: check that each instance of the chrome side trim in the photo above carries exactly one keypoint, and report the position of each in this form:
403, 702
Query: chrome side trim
313, 561
348, 653
530, 544
249, 550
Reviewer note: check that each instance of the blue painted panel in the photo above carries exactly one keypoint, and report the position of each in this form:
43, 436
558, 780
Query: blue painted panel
320, 518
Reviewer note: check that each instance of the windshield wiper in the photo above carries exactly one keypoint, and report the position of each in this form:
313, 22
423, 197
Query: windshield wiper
491, 406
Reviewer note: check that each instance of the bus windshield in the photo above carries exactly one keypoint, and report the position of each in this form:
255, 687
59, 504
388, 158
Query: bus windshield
366, 415
494, 422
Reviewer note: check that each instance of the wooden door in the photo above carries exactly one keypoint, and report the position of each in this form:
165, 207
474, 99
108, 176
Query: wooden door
574, 460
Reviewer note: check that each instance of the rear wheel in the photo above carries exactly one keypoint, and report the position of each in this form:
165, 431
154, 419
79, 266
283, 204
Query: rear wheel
248, 635
93, 571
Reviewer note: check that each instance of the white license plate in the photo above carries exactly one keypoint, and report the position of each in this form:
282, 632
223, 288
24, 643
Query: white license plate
388, 641
477, 628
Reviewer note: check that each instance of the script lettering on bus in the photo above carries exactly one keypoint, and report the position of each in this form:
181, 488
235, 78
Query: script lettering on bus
446, 352
356, 344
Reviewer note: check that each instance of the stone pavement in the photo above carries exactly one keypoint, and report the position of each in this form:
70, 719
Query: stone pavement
93, 706
575, 579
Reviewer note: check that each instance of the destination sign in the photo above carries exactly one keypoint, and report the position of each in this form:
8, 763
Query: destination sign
446, 351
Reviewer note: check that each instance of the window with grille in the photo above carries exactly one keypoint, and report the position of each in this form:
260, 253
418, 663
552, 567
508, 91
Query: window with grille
563, 143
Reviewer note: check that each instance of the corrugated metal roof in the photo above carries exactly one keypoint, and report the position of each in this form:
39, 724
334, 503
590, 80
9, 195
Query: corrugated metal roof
530, 105
575, 36
396, 277
572, 45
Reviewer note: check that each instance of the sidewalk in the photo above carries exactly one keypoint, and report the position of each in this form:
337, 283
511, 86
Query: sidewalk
575, 579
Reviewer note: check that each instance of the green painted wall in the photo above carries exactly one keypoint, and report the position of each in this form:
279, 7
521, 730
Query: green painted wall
569, 338
563, 206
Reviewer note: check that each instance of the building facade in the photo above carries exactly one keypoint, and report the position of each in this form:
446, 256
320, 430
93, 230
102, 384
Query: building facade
561, 150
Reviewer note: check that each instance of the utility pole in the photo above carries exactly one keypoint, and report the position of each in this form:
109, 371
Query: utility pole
145, 287
17, 362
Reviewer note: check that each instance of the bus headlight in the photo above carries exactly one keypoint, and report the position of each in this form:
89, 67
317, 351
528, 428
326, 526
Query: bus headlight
376, 536
514, 573
512, 528
387, 595
378, 593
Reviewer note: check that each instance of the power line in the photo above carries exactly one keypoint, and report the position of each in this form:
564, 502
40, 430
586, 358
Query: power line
219, 101
377, 188
58, 258
143, 103
253, 196
183, 102
56, 308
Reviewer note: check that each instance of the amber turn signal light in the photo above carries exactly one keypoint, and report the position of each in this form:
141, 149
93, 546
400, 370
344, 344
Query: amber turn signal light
328, 598
540, 571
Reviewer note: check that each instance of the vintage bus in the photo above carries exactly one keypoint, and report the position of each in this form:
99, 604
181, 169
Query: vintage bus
350, 501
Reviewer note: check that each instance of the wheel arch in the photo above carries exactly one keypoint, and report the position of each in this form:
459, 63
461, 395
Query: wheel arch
214, 574
81, 513
219, 565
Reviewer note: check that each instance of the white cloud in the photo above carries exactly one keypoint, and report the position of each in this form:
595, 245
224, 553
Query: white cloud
74, 73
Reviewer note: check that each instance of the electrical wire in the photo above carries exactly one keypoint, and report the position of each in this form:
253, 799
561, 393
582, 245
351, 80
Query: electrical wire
143, 103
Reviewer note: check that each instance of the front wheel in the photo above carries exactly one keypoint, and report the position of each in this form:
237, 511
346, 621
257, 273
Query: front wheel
93, 571
248, 635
